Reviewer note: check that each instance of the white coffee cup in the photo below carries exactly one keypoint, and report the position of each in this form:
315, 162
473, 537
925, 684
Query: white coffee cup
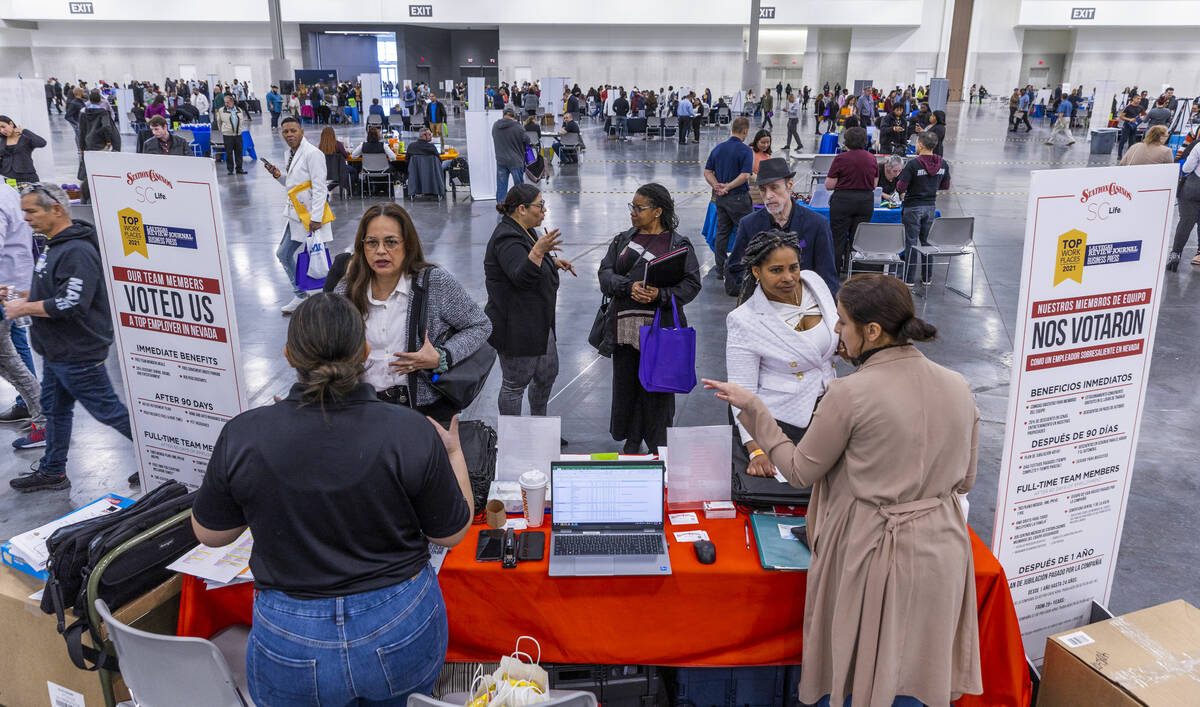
533, 497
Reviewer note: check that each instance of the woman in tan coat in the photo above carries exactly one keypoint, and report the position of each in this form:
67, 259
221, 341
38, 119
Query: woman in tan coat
1151, 150
890, 607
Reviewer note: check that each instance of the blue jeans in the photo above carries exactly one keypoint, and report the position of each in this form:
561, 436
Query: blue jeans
62, 384
286, 253
622, 125
917, 222
900, 701
374, 648
502, 173
20, 339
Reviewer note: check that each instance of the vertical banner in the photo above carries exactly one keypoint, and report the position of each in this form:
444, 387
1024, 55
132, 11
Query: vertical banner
166, 265
1092, 269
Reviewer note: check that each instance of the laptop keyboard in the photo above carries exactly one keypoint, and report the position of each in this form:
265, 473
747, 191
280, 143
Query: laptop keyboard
608, 545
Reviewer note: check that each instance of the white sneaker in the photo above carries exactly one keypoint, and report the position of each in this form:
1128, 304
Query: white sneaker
291, 306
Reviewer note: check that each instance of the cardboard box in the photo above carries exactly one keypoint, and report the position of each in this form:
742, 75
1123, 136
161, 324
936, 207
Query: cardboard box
36, 654
1148, 658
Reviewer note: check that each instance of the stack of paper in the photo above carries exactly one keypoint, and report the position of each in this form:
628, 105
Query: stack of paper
219, 566
27, 551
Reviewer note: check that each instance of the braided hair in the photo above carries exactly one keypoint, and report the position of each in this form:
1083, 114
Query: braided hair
758, 250
660, 198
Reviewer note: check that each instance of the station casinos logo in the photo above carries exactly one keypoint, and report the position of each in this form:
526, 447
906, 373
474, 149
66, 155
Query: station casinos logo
1074, 253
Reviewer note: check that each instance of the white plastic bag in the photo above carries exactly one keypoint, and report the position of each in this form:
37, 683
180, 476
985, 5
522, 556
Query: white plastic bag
515, 683
318, 257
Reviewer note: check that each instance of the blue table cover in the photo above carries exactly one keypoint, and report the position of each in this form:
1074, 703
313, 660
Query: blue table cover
351, 111
829, 144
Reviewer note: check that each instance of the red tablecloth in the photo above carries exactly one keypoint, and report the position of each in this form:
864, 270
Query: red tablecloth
731, 613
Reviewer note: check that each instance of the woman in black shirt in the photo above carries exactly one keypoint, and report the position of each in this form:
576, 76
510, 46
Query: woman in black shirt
16, 151
637, 414
343, 493
937, 126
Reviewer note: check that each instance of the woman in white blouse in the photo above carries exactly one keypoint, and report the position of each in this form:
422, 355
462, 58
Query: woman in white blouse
780, 341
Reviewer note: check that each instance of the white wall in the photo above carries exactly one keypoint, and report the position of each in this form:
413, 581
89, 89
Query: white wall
15, 54
994, 55
698, 57
151, 52
891, 57
1146, 57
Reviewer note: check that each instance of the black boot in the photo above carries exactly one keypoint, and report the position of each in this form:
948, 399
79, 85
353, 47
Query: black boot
1173, 263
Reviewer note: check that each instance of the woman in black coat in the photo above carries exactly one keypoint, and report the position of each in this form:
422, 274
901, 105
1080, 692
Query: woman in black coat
16, 151
637, 414
521, 276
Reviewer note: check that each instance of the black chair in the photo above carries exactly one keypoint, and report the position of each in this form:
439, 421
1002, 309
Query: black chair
338, 174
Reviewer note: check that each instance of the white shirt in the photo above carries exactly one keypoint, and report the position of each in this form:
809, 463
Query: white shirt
794, 109
1193, 161
387, 333
200, 102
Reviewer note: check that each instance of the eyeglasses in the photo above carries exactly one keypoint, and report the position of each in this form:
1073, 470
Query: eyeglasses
389, 243
635, 209
538, 205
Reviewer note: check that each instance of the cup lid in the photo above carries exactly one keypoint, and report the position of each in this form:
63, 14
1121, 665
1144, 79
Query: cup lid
533, 478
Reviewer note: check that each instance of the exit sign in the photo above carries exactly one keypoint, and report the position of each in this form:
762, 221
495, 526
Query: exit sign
420, 10
766, 13
1083, 13
81, 8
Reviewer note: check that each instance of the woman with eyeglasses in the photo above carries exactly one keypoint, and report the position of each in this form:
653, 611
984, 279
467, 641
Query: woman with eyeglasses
520, 272
638, 415
379, 281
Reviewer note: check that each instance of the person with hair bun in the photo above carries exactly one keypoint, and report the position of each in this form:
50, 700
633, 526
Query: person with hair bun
520, 272
780, 341
638, 415
886, 452
343, 494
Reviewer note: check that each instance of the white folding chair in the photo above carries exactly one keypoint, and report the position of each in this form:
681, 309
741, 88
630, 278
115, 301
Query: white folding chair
879, 244
571, 142
821, 164
949, 238
179, 671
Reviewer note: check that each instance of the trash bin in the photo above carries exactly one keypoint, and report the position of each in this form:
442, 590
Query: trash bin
1103, 141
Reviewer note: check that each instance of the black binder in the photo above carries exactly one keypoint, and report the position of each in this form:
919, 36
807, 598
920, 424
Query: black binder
667, 270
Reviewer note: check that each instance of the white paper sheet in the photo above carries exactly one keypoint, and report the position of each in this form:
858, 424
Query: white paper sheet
525, 443
218, 564
700, 464
683, 519
690, 536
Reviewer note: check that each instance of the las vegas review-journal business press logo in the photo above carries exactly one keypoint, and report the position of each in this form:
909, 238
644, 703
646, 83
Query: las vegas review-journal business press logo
1074, 253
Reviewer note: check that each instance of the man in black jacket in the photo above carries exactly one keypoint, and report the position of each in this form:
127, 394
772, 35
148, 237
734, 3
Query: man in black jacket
97, 131
621, 116
164, 142
920, 181
72, 330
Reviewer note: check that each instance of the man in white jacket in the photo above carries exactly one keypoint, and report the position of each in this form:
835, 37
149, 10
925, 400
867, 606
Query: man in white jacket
306, 164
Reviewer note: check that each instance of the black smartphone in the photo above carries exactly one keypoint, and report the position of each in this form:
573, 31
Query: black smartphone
531, 546
509, 560
490, 546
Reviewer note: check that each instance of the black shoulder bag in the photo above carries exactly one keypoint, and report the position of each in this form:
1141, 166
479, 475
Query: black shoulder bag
461, 384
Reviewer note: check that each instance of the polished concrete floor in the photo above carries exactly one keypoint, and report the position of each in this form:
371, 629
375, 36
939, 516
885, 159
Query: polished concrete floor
1159, 554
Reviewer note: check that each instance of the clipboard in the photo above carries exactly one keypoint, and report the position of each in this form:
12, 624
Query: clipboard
774, 551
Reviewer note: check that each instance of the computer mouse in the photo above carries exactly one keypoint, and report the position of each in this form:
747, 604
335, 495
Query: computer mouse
706, 552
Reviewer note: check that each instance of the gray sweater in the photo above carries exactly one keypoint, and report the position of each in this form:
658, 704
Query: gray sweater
509, 140
457, 325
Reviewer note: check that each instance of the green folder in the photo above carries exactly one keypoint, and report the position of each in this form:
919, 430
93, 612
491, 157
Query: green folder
774, 551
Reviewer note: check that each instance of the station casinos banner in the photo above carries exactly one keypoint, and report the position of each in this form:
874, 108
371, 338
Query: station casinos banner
1095, 249
166, 265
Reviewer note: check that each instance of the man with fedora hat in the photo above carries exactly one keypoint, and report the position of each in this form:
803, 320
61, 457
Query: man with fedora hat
781, 211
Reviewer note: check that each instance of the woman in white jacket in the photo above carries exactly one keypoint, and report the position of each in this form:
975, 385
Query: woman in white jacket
780, 341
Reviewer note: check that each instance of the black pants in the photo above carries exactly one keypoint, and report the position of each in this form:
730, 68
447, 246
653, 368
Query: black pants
274, 119
730, 209
685, 125
791, 133
767, 121
1024, 118
1126, 137
637, 414
847, 209
697, 122
233, 152
1189, 211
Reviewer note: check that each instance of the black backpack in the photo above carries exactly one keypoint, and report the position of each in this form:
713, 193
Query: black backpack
478, 442
460, 171
75, 550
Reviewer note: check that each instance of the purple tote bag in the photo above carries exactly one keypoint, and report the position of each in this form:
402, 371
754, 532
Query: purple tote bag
668, 361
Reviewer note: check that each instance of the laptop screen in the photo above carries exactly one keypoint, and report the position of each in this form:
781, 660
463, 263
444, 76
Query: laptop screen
617, 492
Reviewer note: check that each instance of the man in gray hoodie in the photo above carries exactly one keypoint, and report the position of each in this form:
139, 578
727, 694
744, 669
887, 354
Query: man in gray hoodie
509, 140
